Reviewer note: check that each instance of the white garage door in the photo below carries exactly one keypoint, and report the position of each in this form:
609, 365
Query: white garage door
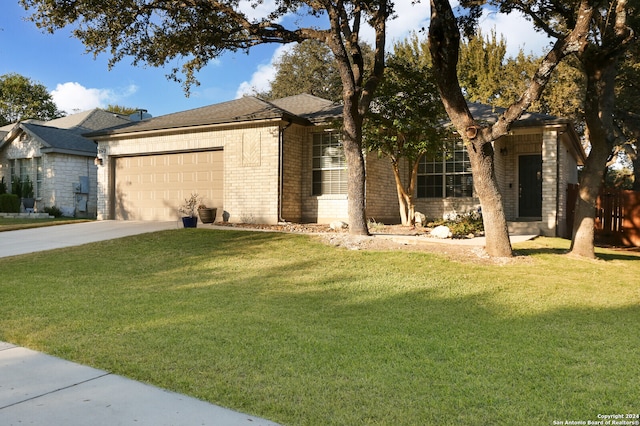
152, 187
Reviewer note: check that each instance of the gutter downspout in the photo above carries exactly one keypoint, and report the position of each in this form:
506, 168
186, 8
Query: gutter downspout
281, 167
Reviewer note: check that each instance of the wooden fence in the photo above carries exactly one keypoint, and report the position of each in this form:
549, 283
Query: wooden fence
617, 216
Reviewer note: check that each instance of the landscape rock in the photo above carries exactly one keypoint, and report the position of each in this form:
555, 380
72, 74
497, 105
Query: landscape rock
338, 225
441, 232
420, 218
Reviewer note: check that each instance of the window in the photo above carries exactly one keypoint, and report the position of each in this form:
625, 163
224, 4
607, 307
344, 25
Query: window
446, 174
38, 184
22, 168
329, 165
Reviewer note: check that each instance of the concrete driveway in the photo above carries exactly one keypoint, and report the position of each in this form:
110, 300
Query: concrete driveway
13, 243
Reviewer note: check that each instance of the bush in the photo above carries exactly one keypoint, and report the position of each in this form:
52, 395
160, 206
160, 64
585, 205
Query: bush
9, 203
53, 211
3, 186
462, 225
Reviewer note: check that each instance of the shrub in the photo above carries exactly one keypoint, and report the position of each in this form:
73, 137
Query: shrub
9, 203
462, 225
53, 211
3, 186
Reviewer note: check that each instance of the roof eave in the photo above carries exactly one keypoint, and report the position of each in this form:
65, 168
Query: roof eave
118, 133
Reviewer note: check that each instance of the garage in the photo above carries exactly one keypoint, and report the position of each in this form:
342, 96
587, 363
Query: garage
152, 187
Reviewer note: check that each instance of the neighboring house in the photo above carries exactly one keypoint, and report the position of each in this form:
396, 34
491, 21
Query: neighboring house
266, 162
58, 160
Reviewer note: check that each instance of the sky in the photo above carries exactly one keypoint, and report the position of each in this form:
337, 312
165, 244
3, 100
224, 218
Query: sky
78, 82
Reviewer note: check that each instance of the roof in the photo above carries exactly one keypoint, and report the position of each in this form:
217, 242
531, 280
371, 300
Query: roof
489, 114
60, 140
311, 107
65, 134
304, 109
87, 121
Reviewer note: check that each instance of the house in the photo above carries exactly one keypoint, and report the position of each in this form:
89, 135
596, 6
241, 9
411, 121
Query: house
534, 164
57, 159
266, 162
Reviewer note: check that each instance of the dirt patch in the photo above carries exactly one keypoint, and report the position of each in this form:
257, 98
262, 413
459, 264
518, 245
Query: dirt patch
388, 238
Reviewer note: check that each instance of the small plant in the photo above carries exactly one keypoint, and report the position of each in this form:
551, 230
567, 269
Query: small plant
3, 186
373, 225
16, 186
53, 211
462, 225
27, 188
190, 205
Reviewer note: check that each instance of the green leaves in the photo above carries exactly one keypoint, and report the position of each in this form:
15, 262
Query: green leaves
21, 98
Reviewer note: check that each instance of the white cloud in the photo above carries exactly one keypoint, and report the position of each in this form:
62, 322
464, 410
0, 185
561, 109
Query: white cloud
73, 97
255, 10
517, 31
412, 17
264, 74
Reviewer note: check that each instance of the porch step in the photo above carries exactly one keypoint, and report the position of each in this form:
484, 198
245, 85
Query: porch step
525, 228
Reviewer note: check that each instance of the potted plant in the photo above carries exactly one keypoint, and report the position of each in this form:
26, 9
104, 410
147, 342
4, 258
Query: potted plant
188, 210
28, 200
207, 214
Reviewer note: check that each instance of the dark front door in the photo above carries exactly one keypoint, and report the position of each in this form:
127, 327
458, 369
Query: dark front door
530, 185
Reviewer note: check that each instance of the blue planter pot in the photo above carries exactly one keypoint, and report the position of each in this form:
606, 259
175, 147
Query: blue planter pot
190, 221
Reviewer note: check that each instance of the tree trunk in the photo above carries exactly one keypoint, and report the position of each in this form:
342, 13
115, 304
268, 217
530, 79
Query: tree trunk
405, 200
486, 185
356, 178
599, 106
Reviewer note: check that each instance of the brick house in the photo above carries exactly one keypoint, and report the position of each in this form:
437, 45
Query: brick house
534, 166
265, 162
57, 159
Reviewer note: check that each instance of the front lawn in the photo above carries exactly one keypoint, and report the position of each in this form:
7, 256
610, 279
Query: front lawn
284, 327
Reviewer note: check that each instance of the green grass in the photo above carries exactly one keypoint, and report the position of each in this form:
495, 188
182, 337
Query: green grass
13, 224
286, 328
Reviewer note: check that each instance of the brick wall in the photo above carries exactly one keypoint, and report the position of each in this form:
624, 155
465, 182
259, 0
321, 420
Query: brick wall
293, 146
250, 166
382, 196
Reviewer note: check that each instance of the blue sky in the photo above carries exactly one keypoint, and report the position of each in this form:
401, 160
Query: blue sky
79, 82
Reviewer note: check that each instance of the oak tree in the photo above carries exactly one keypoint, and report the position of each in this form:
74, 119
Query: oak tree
156, 32
444, 44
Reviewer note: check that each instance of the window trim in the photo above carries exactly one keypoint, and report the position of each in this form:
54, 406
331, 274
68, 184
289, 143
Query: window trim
447, 166
331, 169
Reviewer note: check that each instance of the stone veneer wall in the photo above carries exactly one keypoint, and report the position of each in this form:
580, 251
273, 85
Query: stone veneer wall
59, 173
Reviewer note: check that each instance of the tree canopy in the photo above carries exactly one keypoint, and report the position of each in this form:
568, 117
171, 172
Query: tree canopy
158, 32
406, 117
21, 98
308, 68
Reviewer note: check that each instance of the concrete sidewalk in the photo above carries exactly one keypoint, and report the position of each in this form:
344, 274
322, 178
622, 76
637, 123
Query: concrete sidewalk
24, 241
38, 389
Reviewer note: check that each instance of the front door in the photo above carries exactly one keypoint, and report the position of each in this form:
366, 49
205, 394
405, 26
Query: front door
530, 185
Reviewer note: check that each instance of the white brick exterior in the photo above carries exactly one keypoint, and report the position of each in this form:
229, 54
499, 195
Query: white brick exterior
59, 174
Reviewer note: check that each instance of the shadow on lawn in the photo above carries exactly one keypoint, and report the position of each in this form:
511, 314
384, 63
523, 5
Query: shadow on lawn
610, 254
325, 339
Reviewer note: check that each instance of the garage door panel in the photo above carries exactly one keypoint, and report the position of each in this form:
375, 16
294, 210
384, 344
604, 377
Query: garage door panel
153, 187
